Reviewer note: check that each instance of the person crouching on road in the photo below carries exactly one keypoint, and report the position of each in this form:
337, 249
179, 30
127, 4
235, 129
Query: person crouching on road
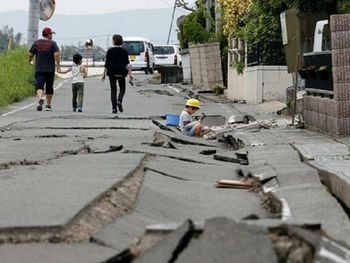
187, 125
47, 54
117, 68
79, 72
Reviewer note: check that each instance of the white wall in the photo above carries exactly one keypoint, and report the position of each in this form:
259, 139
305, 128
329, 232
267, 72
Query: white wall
259, 83
186, 67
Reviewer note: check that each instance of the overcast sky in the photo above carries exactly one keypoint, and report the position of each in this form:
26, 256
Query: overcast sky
69, 7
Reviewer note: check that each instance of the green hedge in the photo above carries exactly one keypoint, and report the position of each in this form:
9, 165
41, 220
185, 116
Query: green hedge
16, 76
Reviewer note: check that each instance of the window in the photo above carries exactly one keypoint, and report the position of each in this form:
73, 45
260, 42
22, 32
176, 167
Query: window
134, 47
164, 50
326, 38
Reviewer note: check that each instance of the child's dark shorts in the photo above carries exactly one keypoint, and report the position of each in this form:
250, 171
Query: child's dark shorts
44, 81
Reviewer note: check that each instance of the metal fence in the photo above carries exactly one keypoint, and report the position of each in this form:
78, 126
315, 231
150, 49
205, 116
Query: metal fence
266, 53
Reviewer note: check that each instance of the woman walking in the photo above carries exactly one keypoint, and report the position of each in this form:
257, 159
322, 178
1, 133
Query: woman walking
117, 68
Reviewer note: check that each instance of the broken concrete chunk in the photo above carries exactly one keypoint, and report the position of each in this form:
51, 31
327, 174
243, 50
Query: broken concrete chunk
236, 184
238, 118
111, 149
225, 158
230, 159
161, 125
168, 249
224, 240
208, 152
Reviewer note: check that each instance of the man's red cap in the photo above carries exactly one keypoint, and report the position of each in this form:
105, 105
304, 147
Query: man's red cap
47, 31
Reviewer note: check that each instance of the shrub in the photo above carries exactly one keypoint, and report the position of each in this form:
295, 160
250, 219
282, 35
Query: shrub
192, 29
16, 76
218, 89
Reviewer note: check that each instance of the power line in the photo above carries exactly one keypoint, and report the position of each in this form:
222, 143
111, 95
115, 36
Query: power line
170, 5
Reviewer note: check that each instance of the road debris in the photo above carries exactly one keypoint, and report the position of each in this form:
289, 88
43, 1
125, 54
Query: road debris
236, 184
159, 92
225, 240
208, 152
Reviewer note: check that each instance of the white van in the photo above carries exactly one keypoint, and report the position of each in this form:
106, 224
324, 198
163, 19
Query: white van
167, 55
141, 53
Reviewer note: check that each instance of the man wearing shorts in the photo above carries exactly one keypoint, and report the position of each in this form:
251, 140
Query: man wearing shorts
47, 55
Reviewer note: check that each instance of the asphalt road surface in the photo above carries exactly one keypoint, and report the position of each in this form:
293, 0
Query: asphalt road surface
56, 168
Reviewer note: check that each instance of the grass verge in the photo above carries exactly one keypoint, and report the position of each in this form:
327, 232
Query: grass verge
16, 76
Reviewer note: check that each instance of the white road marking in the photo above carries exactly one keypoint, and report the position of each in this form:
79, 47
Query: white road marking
31, 104
286, 212
171, 87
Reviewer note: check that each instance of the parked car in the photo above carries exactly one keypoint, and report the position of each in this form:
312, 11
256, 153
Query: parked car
141, 53
167, 55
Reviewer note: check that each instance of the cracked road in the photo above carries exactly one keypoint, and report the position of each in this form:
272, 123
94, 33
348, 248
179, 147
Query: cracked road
82, 187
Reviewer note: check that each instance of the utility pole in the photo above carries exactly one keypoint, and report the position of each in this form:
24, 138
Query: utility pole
172, 20
208, 5
218, 11
33, 22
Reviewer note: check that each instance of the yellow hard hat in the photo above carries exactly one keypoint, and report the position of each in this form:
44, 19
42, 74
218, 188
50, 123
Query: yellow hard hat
193, 103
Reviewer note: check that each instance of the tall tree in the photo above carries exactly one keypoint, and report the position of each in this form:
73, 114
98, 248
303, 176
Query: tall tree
6, 35
193, 27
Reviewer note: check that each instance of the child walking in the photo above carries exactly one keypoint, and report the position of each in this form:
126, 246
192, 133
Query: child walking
79, 72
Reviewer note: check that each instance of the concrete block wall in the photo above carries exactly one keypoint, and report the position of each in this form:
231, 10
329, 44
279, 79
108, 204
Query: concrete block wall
206, 65
258, 84
186, 66
327, 115
333, 115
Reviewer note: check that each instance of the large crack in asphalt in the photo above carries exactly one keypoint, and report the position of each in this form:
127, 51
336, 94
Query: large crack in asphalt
93, 128
85, 149
166, 174
167, 156
268, 201
289, 243
8, 165
322, 174
117, 201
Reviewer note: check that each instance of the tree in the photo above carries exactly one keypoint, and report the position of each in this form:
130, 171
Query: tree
183, 4
233, 12
258, 22
261, 28
192, 29
7, 35
236, 12
313, 5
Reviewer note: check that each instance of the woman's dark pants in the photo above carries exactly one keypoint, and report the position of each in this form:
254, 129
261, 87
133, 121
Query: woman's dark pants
113, 83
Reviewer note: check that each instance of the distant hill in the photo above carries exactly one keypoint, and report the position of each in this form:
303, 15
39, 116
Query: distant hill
72, 29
